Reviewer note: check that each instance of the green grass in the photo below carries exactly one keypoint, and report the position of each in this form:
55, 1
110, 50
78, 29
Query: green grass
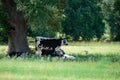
17, 69
94, 61
92, 48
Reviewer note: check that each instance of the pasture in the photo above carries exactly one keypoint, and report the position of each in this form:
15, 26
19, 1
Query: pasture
94, 61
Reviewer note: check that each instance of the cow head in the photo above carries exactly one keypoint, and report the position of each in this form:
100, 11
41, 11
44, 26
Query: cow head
64, 41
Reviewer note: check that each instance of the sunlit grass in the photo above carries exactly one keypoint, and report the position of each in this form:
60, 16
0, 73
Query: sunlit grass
92, 48
3, 49
107, 68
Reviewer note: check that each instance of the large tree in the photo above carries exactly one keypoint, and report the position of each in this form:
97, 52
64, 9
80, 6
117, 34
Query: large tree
17, 40
20, 14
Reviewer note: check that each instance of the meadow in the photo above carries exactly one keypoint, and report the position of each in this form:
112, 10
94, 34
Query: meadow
94, 61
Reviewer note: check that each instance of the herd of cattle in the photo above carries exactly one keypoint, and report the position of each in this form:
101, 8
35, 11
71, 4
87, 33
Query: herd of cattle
51, 46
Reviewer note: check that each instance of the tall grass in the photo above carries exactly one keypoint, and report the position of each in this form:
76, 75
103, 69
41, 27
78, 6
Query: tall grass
94, 61
17, 69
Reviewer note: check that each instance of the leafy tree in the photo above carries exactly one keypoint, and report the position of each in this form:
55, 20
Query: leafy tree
24, 13
114, 21
111, 13
83, 18
43, 14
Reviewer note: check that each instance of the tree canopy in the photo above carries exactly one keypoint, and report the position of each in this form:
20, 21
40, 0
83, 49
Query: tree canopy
79, 19
114, 21
111, 13
83, 19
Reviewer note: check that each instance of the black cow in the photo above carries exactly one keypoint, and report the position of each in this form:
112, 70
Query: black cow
52, 43
38, 40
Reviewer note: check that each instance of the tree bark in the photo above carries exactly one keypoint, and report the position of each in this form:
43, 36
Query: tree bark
17, 36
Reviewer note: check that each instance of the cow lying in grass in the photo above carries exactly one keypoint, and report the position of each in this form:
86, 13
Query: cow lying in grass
50, 46
57, 52
47, 52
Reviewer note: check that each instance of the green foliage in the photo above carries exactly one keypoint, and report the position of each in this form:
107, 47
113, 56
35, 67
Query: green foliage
84, 19
40, 31
114, 21
78, 19
42, 16
111, 12
4, 25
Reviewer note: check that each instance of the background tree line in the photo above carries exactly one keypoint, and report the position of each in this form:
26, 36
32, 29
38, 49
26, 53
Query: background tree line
75, 19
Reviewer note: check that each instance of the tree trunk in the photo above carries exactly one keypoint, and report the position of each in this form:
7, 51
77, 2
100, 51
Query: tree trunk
17, 36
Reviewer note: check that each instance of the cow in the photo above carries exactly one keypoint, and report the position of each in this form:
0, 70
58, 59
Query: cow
57, 52
38, 40
47, 41
53, 43
51, 46
51, 52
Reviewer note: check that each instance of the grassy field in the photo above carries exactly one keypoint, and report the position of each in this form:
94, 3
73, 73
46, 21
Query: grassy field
94, 61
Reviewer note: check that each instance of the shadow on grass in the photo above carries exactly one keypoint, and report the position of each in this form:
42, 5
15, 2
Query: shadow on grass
78, 57
98, 57
2, 56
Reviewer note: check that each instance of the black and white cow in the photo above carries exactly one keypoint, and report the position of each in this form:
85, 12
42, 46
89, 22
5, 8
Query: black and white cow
50, 46
38, 40
43, 42
57, 52
52, 43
